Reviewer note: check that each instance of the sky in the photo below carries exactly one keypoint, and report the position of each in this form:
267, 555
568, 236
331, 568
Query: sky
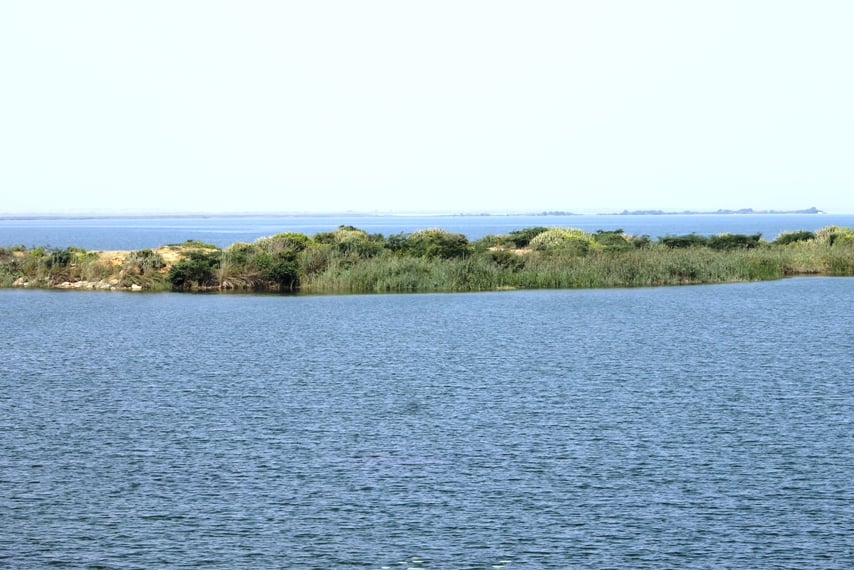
440, 106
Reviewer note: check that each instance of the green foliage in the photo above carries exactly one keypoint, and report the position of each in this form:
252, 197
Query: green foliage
570, 241
507, 259
315, 258
143, 261
841, 238
194, 243
59, 258
282, 270
195, 272
289, 241
522, 238
489, 242
639, 242
9, 270
840, 259
833, 235
615, 240
435, 244
786, 238
352, 241
734, 241
683, 241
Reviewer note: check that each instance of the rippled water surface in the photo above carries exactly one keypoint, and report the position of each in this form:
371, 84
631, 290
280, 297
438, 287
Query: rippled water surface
705, 426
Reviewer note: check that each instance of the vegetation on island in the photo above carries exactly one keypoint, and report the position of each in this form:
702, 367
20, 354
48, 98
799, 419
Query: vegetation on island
351, 260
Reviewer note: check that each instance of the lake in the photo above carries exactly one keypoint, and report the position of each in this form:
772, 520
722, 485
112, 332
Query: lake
680, 427
140, 233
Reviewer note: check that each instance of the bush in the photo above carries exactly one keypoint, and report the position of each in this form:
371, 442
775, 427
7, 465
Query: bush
507, 259
786, 238
349, 240
523, 237
315, 258
435, 244
197, 271
639, 242
614, 240
59, 258
684, 241
293, 241
282, 270
488, 242
144, 261
563, 240
734, 241
832, 235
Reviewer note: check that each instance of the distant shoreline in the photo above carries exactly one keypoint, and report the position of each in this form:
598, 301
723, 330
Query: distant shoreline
742, 211
546, 213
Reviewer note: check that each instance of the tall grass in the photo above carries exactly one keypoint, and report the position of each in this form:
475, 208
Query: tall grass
635, 268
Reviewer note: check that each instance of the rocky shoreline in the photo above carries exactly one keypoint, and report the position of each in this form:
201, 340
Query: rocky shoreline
100, 285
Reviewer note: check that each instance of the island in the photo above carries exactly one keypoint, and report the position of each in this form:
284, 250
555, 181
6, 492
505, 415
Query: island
812, 210
351, 260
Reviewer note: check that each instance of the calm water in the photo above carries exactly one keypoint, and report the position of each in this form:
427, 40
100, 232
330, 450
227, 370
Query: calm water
706, 427
139, 233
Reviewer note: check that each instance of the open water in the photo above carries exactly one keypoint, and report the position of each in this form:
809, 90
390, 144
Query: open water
140, 233
687, 427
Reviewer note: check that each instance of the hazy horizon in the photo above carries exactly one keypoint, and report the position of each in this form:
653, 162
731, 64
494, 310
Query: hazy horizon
382, 106
367, 213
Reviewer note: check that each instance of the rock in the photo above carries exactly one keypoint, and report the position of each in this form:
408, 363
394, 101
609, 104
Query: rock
135, 287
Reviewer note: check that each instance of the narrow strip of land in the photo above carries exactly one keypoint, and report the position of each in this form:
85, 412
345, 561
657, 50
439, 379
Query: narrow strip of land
350, 260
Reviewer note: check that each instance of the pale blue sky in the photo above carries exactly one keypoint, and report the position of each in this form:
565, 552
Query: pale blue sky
433, 106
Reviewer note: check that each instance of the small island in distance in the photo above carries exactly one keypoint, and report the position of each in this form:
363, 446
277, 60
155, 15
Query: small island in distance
721, 212
812, 210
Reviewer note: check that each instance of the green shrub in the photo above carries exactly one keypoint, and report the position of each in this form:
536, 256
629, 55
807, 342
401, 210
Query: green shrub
435, 244
489, 242
282, 270
734, 241
283, 241
143, 261
787, 238
314, 259
639, 242
614, 240
564, 240
832, 235
197, 271
683, 241
194, 243
840, 259
352, 241
523, 237
507, 259
59, 258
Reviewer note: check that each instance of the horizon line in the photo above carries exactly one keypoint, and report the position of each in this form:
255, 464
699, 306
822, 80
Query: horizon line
95, 214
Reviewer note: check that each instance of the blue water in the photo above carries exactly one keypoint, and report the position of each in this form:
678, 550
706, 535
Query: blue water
686, 427
139, 233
